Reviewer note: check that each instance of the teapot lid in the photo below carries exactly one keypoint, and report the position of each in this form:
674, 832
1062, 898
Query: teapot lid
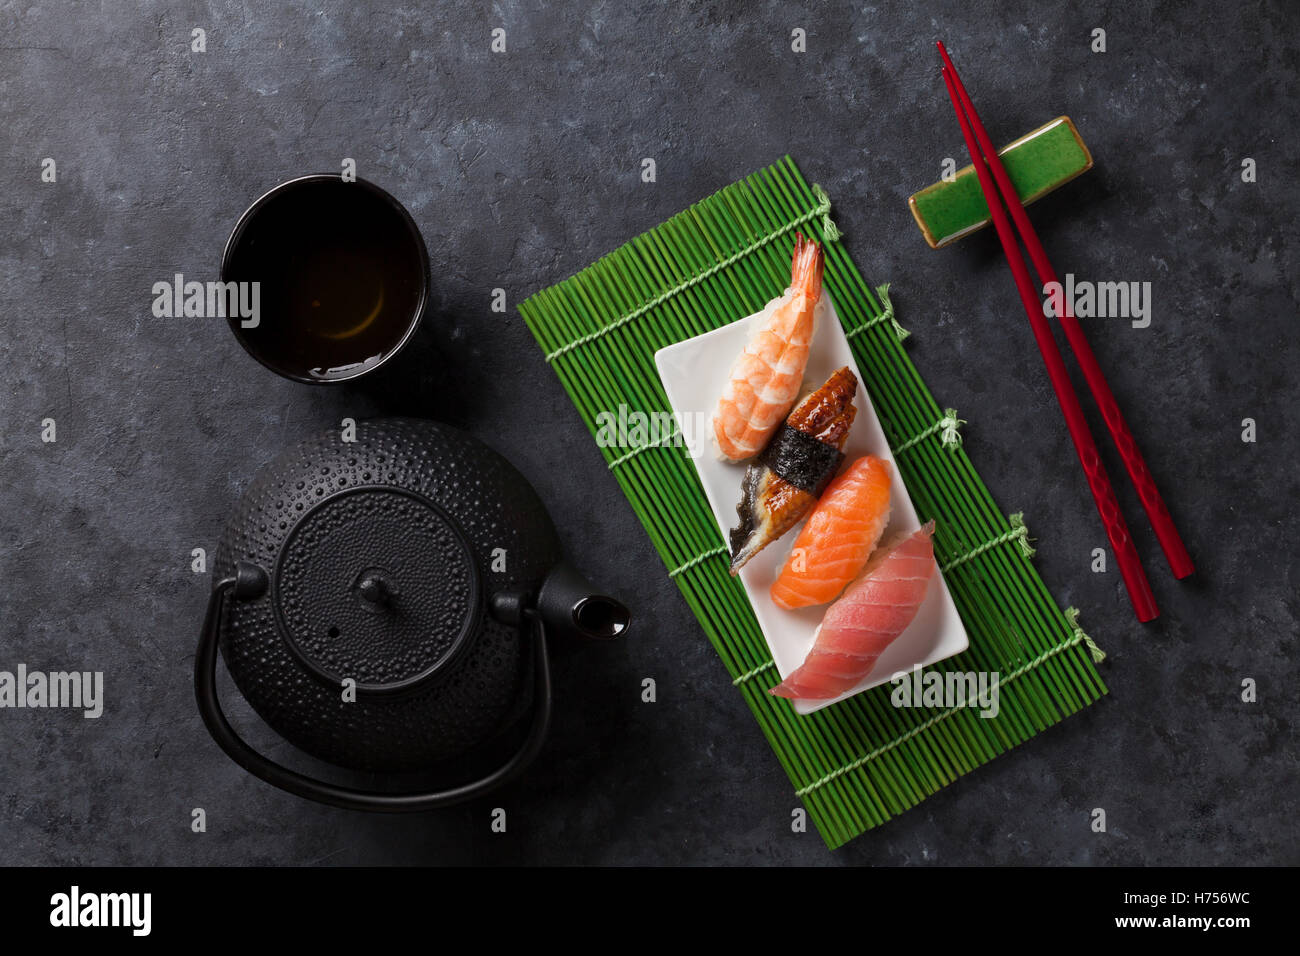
377, 585
383, 550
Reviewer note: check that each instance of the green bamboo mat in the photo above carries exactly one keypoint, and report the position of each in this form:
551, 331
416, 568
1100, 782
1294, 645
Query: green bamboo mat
859, 762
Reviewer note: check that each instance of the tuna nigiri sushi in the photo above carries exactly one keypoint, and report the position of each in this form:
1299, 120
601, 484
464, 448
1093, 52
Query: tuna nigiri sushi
765, 379
874, 610
838, 538
783, 483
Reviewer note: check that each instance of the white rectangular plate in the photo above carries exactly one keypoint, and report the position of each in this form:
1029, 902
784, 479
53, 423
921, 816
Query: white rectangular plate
693, 374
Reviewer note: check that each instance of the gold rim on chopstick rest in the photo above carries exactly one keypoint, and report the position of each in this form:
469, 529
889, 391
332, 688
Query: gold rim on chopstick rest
865, 760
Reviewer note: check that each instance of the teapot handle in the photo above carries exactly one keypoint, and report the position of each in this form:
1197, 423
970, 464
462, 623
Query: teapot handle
249, 581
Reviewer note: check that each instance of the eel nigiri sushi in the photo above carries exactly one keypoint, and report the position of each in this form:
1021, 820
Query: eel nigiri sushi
786, 480
860, 625
764, 381
838, 537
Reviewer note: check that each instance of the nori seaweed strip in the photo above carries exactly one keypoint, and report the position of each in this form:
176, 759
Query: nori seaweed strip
802, 460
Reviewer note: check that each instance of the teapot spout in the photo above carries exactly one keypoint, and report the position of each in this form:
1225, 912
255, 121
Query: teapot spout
570, 605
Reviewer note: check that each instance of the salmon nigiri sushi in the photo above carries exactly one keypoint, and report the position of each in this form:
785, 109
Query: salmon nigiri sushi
765, 379
873, 612
838, 538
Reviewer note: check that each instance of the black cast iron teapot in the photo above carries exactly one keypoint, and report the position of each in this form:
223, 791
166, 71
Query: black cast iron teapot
385, 604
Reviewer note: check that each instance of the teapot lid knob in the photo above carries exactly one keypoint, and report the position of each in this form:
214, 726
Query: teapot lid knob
376, 588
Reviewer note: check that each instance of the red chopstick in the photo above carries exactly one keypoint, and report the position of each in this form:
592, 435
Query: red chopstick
1130, 565
1180, 562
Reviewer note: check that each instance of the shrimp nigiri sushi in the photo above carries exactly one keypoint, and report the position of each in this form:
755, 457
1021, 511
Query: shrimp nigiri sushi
783, 483
838, 538
865, 621
765, 379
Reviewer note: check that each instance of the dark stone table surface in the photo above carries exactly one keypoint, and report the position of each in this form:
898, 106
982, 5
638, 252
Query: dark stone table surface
523, 167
